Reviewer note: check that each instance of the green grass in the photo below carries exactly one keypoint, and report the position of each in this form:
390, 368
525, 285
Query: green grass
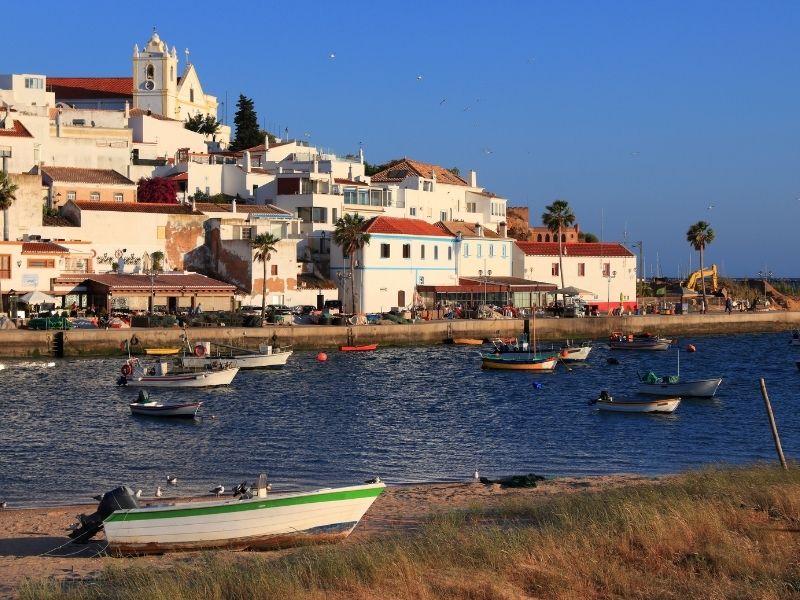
727, 533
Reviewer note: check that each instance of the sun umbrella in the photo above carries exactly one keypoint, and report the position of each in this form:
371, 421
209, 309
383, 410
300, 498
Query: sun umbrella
37, 297
572, 291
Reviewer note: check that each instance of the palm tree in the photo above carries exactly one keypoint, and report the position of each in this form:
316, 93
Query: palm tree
556, 217
8, 193
699, 236
350, 236
264, 245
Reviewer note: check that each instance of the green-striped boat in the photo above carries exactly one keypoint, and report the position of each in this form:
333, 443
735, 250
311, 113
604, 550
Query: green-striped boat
267, 522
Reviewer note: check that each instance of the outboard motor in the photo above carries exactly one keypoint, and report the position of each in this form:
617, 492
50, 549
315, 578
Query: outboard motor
604, 395
144, 397
119, 498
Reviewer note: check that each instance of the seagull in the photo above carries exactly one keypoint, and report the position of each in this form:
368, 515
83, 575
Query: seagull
159, 493
172, 480
219, 490
476, 476
419, 77
375, 479
138, 493
709, 207
443, 101
332, 55
3, 505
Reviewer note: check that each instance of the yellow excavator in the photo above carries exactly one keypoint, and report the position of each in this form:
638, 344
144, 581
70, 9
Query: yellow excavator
695, 278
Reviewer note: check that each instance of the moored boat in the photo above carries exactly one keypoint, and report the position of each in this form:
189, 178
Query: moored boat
467, 341
519, 361
360, 348
635, 405
151, 408
575, 352
255, 521
673, 386
164, 374
644, 341
267, 356
161, 351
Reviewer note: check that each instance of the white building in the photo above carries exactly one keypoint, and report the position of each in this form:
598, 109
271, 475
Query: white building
606, 271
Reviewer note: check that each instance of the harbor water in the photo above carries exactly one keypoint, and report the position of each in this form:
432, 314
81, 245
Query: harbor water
406, 414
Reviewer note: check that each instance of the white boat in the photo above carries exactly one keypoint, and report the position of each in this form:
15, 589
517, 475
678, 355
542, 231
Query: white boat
575, 353
673, 385
166, 374
636, 405
253, 521
207, 353
151, 408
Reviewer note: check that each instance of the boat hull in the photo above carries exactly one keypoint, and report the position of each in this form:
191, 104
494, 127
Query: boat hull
662, 405
467, 342
640, 345
276, 360
700, 388
277, 521
574, 353
362, 348
197, 379
153, 409
512, 362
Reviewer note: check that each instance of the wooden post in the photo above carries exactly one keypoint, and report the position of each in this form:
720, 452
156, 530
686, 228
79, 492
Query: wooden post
772, 425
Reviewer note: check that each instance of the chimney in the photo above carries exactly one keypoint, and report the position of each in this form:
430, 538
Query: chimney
266, 145
233, 205
127, 110
246, 160
503, 230
315, 166
478, 230
361, 155
473, 178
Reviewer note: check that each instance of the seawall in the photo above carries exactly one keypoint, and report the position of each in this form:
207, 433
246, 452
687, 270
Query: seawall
21, 343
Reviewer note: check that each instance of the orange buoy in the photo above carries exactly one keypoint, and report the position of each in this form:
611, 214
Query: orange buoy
322, 357
691, 348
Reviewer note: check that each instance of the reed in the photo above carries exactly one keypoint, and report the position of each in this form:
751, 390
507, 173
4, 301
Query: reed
717, 533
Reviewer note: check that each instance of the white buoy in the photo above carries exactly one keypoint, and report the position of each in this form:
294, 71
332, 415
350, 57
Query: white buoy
476, 476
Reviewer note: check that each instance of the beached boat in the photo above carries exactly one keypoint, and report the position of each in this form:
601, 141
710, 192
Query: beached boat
255, 521
267, 356
519, 361
644, 341
635, 405
151, 408
361, 348
164, 374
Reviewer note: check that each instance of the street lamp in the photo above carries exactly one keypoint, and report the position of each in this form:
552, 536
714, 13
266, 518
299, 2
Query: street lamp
485, 281
764, 275
611, 275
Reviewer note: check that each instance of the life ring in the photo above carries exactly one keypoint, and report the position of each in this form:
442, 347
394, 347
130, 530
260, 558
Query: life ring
134, 341
126, 369
199, 351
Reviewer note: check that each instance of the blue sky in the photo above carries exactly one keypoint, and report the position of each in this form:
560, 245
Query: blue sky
645, 116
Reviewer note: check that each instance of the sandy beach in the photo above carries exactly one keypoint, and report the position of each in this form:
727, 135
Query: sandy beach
34, 542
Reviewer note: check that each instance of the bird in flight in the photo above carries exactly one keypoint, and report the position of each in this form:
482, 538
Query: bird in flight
332, 55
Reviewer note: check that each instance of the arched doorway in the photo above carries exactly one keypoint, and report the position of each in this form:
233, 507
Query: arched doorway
401, 298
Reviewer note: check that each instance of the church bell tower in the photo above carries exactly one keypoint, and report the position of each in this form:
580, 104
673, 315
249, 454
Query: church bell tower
155, 72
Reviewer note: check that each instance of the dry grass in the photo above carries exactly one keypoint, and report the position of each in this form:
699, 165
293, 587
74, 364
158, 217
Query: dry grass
713, 534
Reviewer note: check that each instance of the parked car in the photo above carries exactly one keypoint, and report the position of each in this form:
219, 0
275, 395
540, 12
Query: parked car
278, 309
303, 309
333, 305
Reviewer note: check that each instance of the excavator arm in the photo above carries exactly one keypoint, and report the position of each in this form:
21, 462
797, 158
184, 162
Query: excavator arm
697, 275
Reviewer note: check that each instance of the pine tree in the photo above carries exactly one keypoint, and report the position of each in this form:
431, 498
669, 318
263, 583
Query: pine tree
248, 134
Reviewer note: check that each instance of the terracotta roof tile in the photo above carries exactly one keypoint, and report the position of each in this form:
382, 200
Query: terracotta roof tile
160, 281
265, 209
43, 248
343, 181
18, 130
575, 249
139, 112
56, 221
412, 168
395, 225
78, 175
466, 229
139, 207
73, 88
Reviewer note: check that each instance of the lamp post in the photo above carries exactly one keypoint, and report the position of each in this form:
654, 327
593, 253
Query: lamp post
764, 275
485, 280
611, 275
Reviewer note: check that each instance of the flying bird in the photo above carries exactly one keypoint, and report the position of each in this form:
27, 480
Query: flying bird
419, 77
172, 480
159, 493
443, 101
709, 207
218, 491
332, 55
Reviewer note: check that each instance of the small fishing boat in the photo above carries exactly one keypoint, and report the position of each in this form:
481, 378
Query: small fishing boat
164, 374
267, 356
361, 348
467, 342
150, 408
519, 361
161, 351
575, 352
643, 341
253, 521
673, 385
635, 405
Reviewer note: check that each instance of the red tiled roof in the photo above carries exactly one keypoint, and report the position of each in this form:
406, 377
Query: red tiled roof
261, 209
574, 249
260, 147
43, 248
466, 229
18, 130
138, 112
75, 88
182, 176
343, 181
412, 168
139, 207
78, 175
400, 226
141, 281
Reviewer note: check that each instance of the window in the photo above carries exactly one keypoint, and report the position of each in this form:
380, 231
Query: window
71, 196
363, 197
255, 189
161, 232
149, 72
406, 250
34, 83
273, 270
554, 270
427, 186
471, 207
581, 269
313, 214
5, 266
539, 237
466, 249
118, 198
436, 253
412, 211
350, 196
191, 94
385, 253
172, 73
606, 269
480, 250
94, 196
449, 253
247, 233
504, 250
334, 215
443, 215
491, 250
375, 198
41, 263
422, 251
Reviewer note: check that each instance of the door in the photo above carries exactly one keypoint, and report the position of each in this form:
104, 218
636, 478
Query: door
401, 298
